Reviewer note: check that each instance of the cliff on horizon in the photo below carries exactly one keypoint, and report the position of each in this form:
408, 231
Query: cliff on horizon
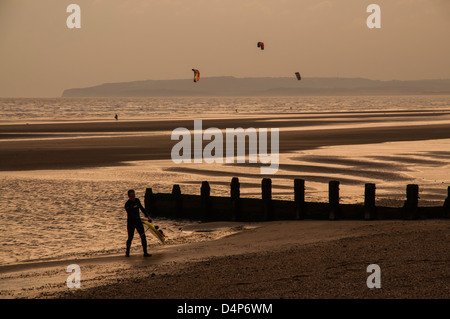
232, 86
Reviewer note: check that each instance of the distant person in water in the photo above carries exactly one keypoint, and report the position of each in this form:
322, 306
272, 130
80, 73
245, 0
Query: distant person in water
132, 206
116, 117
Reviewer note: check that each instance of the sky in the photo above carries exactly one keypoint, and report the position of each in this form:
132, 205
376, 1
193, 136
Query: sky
133, 40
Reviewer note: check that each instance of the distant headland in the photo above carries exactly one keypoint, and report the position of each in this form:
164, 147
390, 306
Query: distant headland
267, 86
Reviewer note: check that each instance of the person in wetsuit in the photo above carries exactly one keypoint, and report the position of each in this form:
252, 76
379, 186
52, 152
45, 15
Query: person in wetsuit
132, 206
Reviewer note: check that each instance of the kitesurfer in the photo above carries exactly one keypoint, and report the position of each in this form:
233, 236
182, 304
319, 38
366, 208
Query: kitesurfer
132, 206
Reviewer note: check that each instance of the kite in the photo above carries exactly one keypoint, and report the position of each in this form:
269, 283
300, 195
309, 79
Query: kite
196, 75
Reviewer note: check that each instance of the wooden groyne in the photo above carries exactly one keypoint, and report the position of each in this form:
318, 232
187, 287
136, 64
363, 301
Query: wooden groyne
205, 207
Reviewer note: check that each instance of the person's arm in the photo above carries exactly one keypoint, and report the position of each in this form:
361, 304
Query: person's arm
144, 211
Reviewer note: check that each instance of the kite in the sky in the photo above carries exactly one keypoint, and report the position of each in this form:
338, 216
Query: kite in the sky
299, 77
261, 45
196, 75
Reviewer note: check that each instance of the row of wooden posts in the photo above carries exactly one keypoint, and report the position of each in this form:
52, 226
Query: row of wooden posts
207, 207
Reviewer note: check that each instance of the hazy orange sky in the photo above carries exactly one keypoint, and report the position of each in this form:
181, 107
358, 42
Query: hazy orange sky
128, 40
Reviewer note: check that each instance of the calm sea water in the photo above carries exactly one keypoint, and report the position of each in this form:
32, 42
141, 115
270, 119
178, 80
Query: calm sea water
18, 109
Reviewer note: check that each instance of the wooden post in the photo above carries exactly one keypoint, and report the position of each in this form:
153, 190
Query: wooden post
299, 198
333, 198
412, 201
369, 201
149, 203
447, 204
177, 198
176, 189
235, 194
266, 187
205, 193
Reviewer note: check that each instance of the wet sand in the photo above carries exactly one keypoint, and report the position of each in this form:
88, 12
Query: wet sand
96, 144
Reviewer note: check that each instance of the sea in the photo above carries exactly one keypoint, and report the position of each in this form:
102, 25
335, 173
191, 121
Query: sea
73, 109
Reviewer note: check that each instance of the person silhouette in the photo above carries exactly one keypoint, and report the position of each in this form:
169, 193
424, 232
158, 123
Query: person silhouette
132, 206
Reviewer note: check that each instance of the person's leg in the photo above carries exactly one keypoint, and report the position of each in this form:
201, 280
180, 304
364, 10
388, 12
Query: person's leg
140, 229
130, 229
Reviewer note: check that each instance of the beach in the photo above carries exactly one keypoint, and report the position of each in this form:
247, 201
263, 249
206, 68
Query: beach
224, 155
291, 259
67, 180
306, 260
